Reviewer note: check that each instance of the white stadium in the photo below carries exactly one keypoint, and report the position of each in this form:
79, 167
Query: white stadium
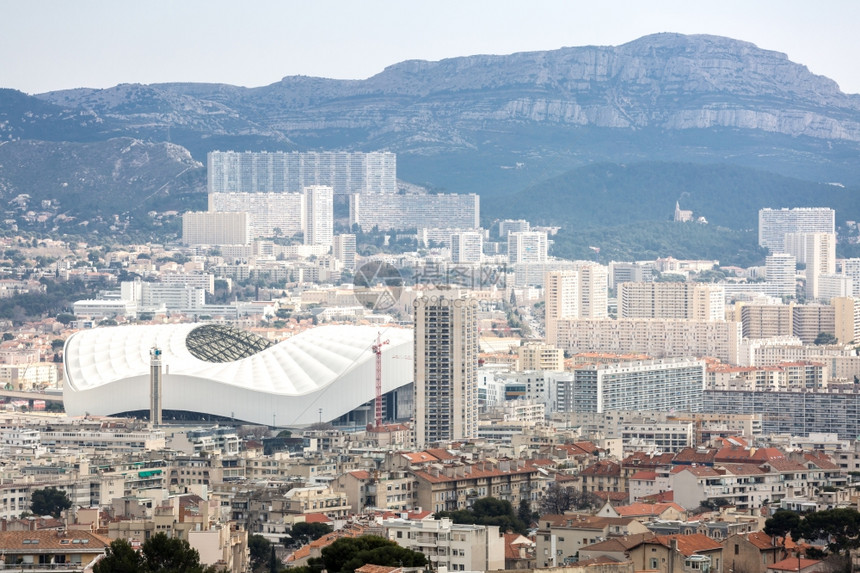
323, 374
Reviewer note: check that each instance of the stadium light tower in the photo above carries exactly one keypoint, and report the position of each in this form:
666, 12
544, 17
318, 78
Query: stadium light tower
155, 386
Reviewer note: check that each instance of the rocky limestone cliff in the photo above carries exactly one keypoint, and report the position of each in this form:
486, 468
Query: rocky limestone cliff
666, 81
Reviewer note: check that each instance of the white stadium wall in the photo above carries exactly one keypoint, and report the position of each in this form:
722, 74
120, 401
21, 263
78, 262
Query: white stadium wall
286, 384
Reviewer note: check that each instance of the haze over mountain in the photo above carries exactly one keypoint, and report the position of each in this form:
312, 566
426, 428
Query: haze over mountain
487, 124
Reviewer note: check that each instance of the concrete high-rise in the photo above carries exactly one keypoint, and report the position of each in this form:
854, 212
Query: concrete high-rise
810, 320
593, 290
513, 226
319, 215
215, 228
280, 172
818, 252
774, 224
847, 318
624, 272
467, 247
658, 385
765, 320
580, 292
851, 268
695, 301
271, 214
344, 250
561, 300
527, 247
781, 270
415, 211
446, 369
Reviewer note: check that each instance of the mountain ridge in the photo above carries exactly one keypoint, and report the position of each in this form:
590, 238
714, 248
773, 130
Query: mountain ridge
487, 124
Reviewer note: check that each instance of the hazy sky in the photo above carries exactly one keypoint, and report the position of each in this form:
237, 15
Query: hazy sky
57, 44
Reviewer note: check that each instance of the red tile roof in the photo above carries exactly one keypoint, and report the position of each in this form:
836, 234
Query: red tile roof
821, 460
761, 540
793, 564
662, 497
617, 496
646, 509
419, 457
441, 454
689, 544
694, 456
369, 568
73, 541
317, 518
602, 468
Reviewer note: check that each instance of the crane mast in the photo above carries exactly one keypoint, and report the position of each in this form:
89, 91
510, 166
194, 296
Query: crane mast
377, 349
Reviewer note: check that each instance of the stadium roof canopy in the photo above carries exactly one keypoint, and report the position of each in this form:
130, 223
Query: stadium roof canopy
223, 371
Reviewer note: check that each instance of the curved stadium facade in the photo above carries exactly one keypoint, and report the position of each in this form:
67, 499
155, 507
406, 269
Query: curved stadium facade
214, 370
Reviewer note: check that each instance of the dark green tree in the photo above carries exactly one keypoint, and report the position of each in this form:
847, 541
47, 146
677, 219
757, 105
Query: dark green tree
840, 527
274, 562
309, 531
57, 344
781, 523
259, 549
524, 512
120, 557
349, 553
49, 501
65, 318
488, 511
825, 338
159, 554
162, 554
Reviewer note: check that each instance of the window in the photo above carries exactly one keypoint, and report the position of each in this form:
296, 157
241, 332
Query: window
737, 548
654, 564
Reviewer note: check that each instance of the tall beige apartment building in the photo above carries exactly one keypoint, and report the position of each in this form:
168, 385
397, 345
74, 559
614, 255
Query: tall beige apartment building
694, 301
446, 369
574, 293
810, 320
764, 320
537, 356
847, 318
561, 300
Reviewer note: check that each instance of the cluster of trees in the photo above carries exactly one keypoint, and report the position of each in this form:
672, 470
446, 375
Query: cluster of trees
49, 501
159, 554
839, 528
58, 296
491, 511
557, 499
644, 240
